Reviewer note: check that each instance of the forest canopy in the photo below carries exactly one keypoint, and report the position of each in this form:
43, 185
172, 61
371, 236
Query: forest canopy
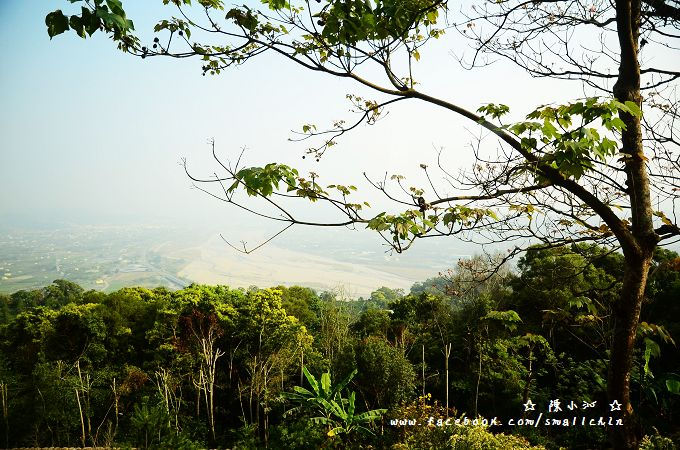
209, 366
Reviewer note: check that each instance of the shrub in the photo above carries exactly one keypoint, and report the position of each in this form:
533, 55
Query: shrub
425, 434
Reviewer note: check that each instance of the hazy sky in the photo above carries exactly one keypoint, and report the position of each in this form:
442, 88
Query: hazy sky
88, 133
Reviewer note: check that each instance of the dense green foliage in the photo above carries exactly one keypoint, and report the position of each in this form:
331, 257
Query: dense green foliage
220, 367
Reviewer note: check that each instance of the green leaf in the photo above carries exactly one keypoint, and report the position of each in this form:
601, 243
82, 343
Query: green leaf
651, 349
654, 348
495, 111
303, 391
276, 4
326, 384
321, 420
508, 318
112, 21
76, 24
673, 386
90, 21
116, 7
615, 123
312, 381
549, 130
340, 386
634, 108
350, 405
371, 415
56, 23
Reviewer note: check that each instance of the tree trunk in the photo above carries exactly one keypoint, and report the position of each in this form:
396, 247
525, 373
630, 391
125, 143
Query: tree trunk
529, 378
82, 422
423, 370
198, 400
115, 400
638, 249
627, 316
479, 375
5, 414
447, 353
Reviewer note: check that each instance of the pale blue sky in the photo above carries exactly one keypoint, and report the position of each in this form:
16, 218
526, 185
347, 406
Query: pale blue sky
93, 136
88, 133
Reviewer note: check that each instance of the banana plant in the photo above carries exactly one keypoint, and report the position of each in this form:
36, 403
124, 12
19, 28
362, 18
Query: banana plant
343, 419
336, 412
322, 391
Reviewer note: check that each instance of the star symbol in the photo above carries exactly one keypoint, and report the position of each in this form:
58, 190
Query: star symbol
615, 406
529, 406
